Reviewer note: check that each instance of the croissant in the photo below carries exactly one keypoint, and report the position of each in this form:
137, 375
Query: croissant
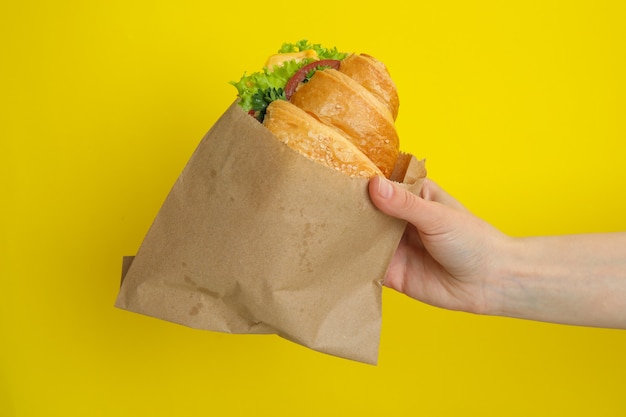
339, 101
313, 139
374, 76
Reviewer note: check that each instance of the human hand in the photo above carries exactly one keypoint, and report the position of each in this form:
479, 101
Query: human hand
447, 257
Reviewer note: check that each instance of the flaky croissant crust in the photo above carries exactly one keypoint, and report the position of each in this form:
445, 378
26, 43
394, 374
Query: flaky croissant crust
313, 139
342, 103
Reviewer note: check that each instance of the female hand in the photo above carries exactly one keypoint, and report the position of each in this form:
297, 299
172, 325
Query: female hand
450, 258
447, 257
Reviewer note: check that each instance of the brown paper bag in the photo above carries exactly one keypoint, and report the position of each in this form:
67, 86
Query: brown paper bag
255, 238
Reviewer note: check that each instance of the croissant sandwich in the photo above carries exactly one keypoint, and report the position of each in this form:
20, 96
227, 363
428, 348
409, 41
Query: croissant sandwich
335, 108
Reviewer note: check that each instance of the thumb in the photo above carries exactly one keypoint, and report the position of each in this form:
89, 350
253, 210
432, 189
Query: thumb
394, 200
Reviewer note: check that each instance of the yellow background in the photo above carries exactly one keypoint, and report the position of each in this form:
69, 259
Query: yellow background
518, 107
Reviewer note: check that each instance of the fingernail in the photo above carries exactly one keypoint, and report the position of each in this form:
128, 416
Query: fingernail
385, 189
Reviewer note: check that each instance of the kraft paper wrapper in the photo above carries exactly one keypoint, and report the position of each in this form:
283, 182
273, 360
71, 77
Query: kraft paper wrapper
255, 238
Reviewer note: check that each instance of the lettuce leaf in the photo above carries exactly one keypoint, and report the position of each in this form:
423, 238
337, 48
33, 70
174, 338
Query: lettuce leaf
304, 45
260, 88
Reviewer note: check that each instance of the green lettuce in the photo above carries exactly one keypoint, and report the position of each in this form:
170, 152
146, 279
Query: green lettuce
258, 89
304, 45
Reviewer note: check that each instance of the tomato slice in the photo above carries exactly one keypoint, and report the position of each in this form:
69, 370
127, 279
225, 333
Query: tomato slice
300, 75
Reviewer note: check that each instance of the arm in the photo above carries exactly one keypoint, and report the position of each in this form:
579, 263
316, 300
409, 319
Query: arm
571, 279
450, 258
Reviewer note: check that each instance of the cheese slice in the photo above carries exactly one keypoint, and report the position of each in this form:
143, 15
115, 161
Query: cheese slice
280, 59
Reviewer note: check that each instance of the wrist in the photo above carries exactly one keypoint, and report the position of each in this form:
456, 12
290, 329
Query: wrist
530, 281
510, 278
